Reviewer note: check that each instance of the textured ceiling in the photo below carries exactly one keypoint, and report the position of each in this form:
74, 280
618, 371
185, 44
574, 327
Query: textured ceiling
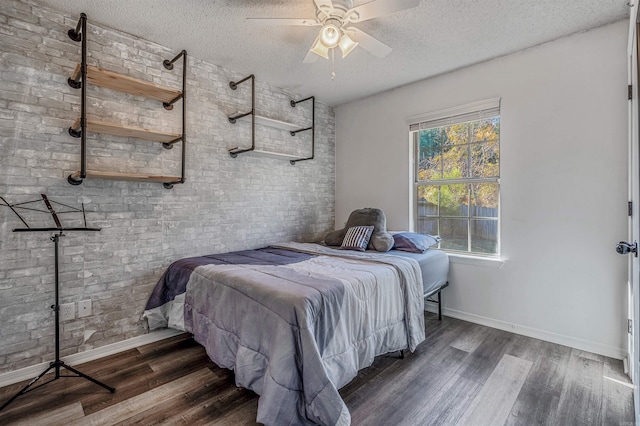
436, 37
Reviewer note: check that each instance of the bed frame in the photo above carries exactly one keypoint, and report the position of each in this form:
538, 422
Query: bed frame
429, 298
436, 292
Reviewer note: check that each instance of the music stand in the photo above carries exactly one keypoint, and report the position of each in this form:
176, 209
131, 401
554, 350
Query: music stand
58, 232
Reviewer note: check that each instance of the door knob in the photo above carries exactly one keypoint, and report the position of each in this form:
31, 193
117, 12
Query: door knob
625, 248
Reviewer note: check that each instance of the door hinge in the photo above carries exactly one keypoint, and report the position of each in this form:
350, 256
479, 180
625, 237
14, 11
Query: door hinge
630, 208
629, 92
630, 326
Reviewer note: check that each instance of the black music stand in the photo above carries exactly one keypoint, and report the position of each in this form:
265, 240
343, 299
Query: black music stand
58, 232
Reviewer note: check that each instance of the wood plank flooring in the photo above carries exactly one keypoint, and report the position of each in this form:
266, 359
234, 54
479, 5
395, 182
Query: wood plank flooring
463, 374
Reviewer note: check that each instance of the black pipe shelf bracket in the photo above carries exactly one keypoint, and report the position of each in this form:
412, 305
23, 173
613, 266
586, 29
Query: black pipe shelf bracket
233, 152
312, 128
265, 121
84, 74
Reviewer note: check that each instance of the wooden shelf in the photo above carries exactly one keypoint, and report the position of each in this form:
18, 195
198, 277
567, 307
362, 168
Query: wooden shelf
85, 75
269, 122
127, 131
92, 174
123, 83
270, 154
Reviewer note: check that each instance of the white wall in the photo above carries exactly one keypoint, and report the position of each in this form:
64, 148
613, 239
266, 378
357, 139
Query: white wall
563, 184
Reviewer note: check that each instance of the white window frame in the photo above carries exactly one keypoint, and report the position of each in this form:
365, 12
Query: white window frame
445, 117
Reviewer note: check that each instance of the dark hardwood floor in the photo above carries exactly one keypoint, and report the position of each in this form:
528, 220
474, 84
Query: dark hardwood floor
463, 374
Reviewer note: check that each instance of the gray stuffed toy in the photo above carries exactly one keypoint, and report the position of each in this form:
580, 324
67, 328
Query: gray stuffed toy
380, 240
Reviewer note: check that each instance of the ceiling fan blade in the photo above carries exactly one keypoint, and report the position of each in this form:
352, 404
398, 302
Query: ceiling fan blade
376, 8
323, 4
368, 43
283, 21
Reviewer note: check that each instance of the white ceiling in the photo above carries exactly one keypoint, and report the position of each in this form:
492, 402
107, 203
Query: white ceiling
436, 37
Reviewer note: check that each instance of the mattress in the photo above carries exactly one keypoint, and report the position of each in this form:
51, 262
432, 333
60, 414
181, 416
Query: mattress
434, 265
266, 313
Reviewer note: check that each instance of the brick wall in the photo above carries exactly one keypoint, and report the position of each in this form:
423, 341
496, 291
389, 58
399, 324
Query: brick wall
226, 204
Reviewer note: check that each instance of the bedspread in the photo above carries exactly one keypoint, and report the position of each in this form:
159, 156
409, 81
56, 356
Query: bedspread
295, 322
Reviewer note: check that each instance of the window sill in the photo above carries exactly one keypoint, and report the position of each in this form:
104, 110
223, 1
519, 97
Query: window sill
487, 262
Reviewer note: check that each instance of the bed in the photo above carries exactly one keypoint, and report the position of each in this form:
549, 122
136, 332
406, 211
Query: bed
434, 265
296, 321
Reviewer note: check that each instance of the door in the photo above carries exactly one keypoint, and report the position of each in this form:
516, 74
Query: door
634, 218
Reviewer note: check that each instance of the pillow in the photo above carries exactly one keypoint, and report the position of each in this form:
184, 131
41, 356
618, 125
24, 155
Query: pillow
357, 238
380, 240
414, 242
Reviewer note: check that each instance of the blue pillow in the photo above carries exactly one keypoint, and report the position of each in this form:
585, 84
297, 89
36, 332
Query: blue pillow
357, 238
414, 242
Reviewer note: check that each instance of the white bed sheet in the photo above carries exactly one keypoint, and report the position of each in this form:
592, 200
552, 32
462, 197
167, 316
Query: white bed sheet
434, 265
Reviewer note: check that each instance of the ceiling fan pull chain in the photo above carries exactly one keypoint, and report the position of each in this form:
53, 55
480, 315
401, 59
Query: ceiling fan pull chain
333, 64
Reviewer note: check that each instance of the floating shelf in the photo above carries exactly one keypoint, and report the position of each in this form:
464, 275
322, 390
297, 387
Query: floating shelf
85, 75
270, 154
136, 177
266, 121
127, 131
123, 83
252, 118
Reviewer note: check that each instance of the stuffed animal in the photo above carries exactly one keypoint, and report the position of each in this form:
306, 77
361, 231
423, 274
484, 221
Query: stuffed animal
380, 240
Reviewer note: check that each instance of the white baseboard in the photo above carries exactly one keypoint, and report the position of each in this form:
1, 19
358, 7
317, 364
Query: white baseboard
573, 342
34, 370
432, 307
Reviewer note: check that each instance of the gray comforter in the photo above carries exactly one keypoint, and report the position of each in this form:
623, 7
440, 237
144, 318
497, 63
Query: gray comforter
296, 331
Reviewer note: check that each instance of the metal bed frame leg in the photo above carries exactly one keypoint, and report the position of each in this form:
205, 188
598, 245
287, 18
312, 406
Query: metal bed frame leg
429, 299
429, 296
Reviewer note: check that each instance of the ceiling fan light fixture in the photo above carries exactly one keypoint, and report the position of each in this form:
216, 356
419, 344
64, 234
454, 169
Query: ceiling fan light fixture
330, 35
346, 44
320, 49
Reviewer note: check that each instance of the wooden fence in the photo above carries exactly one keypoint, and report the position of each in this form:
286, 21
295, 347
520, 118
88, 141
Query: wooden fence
454, 224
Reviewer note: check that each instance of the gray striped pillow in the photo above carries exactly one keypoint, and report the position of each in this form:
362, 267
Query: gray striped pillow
357, 238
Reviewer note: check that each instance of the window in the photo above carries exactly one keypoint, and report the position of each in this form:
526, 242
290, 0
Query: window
457, 172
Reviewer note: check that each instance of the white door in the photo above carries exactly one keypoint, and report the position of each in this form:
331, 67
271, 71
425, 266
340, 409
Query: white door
631, 247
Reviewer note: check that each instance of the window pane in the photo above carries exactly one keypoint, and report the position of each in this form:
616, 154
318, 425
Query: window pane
458, 134
484, 236
427, 226
428, 200
486, 130
455, 162
454, 233
427, 207
432, 138
429, 165
484, 199
454, 200
485, 159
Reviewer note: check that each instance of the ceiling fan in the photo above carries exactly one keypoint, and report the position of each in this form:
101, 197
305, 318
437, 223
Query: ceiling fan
335, 17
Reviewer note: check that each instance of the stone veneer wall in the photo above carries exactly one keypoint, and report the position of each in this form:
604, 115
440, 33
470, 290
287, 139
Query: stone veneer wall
226, 204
